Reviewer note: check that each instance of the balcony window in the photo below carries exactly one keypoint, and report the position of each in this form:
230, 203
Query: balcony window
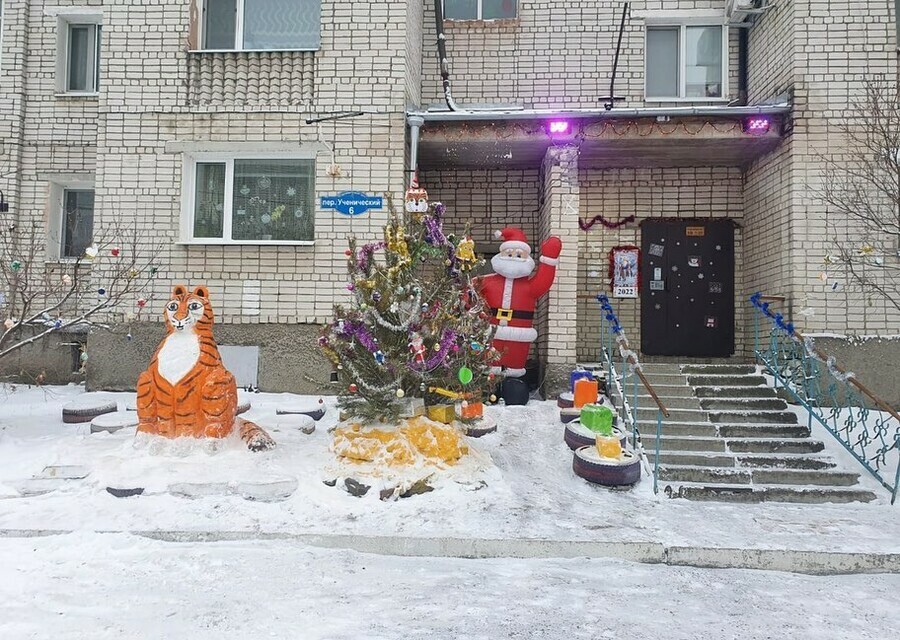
480, 9
249, 200
685, 62
261, 25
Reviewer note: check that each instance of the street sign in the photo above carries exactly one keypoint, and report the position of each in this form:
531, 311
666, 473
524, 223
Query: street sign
351, 203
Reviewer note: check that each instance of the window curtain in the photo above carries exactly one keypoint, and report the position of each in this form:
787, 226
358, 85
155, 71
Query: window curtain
282, 24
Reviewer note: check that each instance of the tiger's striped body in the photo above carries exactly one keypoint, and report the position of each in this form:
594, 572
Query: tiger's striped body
187, 391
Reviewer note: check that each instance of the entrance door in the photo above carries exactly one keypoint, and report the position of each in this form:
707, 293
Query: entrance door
687, 288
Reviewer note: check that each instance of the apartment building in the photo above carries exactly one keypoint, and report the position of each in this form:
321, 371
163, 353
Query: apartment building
222, 131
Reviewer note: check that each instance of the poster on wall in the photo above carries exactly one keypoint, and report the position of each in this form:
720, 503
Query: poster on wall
624, 271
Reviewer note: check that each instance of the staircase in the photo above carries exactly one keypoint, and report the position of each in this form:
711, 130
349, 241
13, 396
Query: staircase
729, 437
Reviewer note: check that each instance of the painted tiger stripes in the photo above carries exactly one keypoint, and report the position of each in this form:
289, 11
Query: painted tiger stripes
186, 390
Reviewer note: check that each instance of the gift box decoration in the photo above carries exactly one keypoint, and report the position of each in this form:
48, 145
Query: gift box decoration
445, 413
586, 392
471, 410
579, 374
598, 418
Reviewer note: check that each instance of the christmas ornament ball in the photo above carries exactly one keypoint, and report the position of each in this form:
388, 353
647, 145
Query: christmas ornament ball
352, 388
400, 393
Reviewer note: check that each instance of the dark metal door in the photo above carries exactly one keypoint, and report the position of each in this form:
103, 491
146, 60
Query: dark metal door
687, 288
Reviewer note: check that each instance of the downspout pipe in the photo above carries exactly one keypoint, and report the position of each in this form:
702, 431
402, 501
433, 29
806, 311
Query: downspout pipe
743, 54
443, 62
415, 124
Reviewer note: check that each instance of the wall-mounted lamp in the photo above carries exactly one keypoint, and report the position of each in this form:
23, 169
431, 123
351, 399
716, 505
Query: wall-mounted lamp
757, 125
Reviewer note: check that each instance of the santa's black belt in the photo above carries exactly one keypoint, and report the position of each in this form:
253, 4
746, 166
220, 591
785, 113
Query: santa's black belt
509, 314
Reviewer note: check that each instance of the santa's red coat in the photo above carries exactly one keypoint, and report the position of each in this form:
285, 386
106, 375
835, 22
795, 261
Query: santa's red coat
507, 296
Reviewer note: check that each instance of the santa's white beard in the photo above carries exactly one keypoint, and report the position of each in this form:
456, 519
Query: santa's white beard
512, 267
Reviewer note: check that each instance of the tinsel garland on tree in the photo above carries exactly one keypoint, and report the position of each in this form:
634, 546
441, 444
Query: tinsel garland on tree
415, 323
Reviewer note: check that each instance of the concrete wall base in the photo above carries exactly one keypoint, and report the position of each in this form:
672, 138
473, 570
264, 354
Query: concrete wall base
289, 358
53, 359
556, 379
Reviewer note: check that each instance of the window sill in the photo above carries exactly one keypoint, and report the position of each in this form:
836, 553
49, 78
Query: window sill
688, 99
206, 242
77, 94
490, 22
51, 262
203, 51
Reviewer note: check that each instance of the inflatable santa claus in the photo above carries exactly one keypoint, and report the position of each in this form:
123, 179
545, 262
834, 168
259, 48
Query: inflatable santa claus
512, 292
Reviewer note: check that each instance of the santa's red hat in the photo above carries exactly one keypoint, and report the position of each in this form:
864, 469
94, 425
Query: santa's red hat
513, 238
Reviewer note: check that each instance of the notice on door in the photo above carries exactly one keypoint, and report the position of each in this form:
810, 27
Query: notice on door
695, 232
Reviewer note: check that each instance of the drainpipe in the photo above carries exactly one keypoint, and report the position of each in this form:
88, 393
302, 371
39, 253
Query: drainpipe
443, 62
415, 123
743, 51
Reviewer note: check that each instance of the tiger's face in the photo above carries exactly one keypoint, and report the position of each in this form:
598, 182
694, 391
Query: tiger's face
186, 310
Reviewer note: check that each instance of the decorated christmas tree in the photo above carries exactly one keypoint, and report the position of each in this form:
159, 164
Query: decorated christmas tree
416, 331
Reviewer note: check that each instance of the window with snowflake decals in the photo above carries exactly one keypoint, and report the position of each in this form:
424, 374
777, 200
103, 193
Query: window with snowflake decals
248, 200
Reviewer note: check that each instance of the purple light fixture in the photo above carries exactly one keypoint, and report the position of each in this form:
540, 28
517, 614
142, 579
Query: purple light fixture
757, 125
559, 128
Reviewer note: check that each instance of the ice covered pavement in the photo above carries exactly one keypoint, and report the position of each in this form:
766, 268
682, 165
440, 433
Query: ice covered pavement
115, 586
529, 502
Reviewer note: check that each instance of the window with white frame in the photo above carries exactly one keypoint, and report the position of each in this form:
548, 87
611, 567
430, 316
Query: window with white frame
261, 25
249, 199
685, 61
78, 53
480, 9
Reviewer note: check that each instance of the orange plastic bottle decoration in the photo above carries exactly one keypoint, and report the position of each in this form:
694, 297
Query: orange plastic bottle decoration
586, 392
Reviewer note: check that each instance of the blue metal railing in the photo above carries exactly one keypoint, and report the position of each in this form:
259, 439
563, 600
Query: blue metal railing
614, 342
861, 421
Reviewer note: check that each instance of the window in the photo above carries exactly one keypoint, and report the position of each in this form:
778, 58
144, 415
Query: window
77, 222
480, 9
78, 52
83, 58
685, 61
261, 25
249, 200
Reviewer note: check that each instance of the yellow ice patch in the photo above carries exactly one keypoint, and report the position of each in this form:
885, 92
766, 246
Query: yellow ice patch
414, 440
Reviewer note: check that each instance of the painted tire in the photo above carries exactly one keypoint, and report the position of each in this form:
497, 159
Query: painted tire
587, 464
577, 436
481, 428
112, 422
294, 422
565, 400
87, 408
242, 407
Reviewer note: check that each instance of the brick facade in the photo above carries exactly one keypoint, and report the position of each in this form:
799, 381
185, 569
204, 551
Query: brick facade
160, 100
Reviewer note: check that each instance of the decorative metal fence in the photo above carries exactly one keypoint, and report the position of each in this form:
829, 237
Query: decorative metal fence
614, 342
862, 422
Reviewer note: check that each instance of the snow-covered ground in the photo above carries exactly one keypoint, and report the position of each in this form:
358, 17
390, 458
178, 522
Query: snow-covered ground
118, 586
527, 491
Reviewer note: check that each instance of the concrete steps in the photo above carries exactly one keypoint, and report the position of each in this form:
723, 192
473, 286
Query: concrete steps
731, 391
738, 475
743, 404
731, 438
764, 493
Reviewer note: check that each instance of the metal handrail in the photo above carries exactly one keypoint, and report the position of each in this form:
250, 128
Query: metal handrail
614, 334
795, 362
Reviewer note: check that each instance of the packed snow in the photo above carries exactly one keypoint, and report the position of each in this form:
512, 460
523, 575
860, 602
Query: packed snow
114, 586
525, 490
